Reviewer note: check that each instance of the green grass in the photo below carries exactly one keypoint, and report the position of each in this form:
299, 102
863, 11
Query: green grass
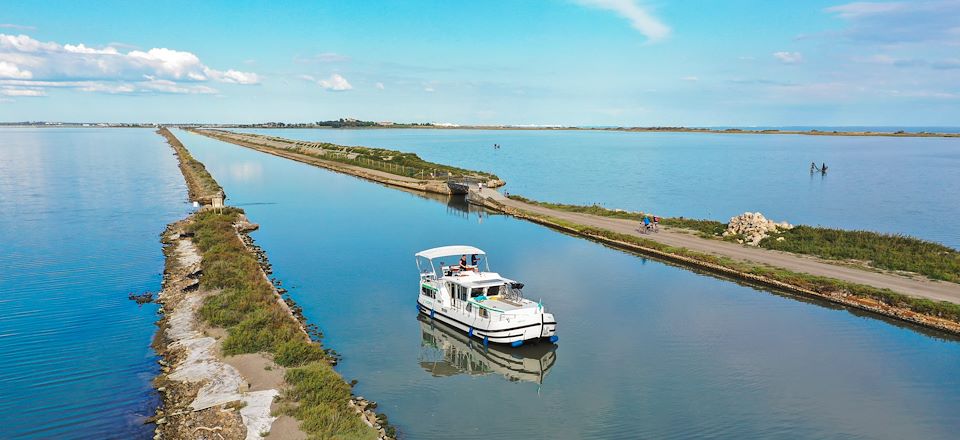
814, 283
247, 307
200, 184
387, 160
583, 209
706, 227
319, 391
885, 251
381, 159
709, 228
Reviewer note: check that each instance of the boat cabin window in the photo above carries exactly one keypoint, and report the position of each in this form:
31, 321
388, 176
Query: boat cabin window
428, 292
476, 292
493, 290
484, 313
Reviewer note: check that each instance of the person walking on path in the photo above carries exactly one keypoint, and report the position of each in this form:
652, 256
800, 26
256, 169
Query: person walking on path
656, 224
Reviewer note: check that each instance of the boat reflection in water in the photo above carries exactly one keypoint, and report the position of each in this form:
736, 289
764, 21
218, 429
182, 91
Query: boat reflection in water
447, 352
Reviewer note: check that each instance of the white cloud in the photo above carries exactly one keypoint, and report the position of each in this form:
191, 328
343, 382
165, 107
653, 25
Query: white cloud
638, 16
429, 89
335, 83
307, 78
10, 70
18, 27
167, 86
109, 88
691, 78
379, 86
861, 9
13, 91
789, 57
232, 76
913, 21
107, 69
323, 57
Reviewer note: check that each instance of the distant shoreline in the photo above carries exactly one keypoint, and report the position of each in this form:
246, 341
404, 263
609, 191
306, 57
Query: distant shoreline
811, 132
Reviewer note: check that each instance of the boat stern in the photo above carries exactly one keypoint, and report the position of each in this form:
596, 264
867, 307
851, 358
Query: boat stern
549, 328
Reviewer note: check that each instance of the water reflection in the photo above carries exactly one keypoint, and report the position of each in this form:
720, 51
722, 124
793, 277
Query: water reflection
457, 205
447, 352
251, 171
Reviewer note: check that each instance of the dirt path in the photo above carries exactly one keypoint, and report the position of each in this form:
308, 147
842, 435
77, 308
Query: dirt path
918, 287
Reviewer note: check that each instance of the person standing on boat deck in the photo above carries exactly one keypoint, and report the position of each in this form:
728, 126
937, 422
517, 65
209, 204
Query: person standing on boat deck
823, 168
474, 260
813, 167
463, 262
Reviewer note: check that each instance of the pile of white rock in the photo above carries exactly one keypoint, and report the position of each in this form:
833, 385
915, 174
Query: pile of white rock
753, 226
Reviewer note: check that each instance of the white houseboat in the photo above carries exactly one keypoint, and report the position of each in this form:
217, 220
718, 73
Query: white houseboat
455, 290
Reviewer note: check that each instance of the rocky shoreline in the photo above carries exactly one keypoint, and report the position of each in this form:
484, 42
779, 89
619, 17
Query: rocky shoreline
204, 394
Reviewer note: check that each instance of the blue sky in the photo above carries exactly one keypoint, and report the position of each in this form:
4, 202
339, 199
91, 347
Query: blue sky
572, 62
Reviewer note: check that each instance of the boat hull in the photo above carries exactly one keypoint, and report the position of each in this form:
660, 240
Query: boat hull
511, 333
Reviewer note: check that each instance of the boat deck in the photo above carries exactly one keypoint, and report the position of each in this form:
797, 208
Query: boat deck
504, 305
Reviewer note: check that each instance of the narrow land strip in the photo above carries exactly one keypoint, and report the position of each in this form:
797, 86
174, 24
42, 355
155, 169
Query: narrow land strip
425, 176
916, 286
238, 359
749, 264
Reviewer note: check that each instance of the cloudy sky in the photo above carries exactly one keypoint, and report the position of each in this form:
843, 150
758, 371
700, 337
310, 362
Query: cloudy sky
578, 62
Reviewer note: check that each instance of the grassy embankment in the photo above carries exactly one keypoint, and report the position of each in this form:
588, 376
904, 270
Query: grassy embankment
247, 306
391, 161
200, 184
824, 286
380, 159
705, 227
882, 251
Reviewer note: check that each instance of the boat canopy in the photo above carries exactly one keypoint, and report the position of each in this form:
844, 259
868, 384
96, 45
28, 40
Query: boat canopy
447, 251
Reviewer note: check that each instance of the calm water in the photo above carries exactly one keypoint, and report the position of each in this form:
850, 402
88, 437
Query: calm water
646, 350
902, 185
81, 211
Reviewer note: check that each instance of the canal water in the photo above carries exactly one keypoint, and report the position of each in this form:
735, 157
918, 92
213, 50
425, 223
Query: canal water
895, 185
81, 211
646, 350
